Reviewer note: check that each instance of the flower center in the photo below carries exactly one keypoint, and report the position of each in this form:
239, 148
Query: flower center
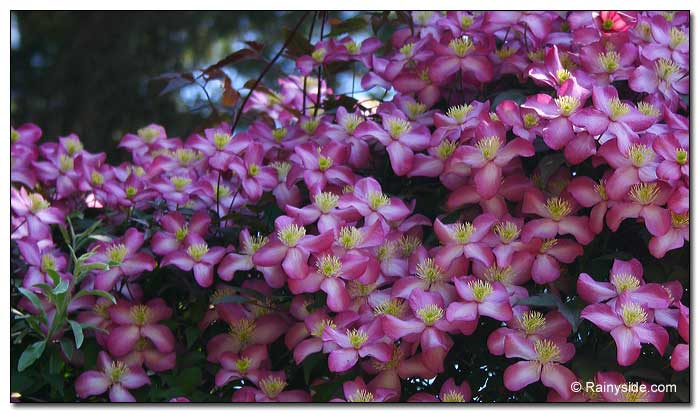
197, 251
242, 330
431, 314
279, 134
640, 154
618, 109
633, 314
96, 178
148, 134
180, 182
600, 189
608, 24
624, 282
609, 61
415, 109
377, 200
221, 140
680, 220
665, 68
506, 52
463, 232
461, 46
185, 156
536, 55
311, 125
326, 201
329, 266
480, 289
140, 314
507, 231
357, 337
681, 156
394, 306
222, 191
558, 208
358, 289
677, 37
243, 364
116, 253
282, 169
407, 49
272, 386
489, 147
182, 232
352, 47
397, 127
530, 120
407, 244
466, 22
546, 350
349, 237
567, 104
319, 54
65, 163
253, 170
548, 244
562, 75
48, 262
501, 274
361, 396
532, 321
14, 135
446, 149
291, 234
37, 203
644, 193
324, 163
428, 271
351, 122
634, 396
453, 396
321, 326
459, 113
116, 371
386, 251
648, 109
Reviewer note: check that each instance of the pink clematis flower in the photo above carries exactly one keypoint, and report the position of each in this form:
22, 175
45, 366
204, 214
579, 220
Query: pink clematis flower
556, 218
627, 394
450, 392
255, 178
219, 145
198, 257
271, 388
525, 123
680, 358
367, 340
676, 163
124, 259
249, 364
178, 233
531, 325
133, 321
114, 376
645, 200
291, 247
674, 238
36, 212
630, 325
625, 278
243, 261
548, 254
373, 204
324, 164
356, 391
464, 239
543, 362
479, 298
461, 55
244, 331
589, 194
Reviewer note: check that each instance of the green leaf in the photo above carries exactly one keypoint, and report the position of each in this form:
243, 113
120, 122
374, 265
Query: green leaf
99, 293
30, 355
227, 299
77, 332
34, 300
55, 277
62, 287
68, 347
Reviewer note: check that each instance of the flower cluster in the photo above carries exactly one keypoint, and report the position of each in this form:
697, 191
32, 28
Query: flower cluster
372, 244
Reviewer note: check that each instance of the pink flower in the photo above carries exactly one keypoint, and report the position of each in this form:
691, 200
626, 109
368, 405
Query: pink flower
644, 200
177, 231
245, 330
548, 254
677, 235
124, 259
680, 358
461, 55
133, 321
324, 165
543, 362
249, 364
37, 212
676, 163
464, 239
356, 343
271, 389
531, 325
625, 278
449, 393
589, 194
373, 204
556, 218
114, 376
255, 178
198, 257
479, 298
243, 261
356, 391
630, 325
626, 394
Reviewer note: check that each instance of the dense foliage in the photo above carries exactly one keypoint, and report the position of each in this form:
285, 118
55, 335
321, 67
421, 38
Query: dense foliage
511, 217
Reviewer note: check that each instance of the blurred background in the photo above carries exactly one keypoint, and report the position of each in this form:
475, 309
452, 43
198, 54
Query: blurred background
100, 74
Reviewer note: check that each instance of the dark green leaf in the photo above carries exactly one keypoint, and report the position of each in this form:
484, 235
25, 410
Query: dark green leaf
30, 355
77, 332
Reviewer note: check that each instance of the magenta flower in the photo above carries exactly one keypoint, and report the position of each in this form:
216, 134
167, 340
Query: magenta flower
663, 76
271, 388
176, 231
124, 259
400, 138
353, 344
249, 364
479, 298
489, 155
676, 163
625, 279
255, 178
531, 325
630, 325
134, 321
306, 338
198, 257
464, 239
589, 194
41, 258
356, 391
324, 165
219, 145
525, 123
449, 393
548, 254
556, 218
644, 200
245, 331
462, 55
114, 376
624, 120
674, 238
373, 204
543, 362
234, 262
291, 247
36, 212
680, 358
670, 42
626, 394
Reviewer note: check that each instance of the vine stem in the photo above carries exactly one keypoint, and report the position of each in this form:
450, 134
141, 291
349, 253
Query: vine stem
311, 32
318, 90
267, 69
